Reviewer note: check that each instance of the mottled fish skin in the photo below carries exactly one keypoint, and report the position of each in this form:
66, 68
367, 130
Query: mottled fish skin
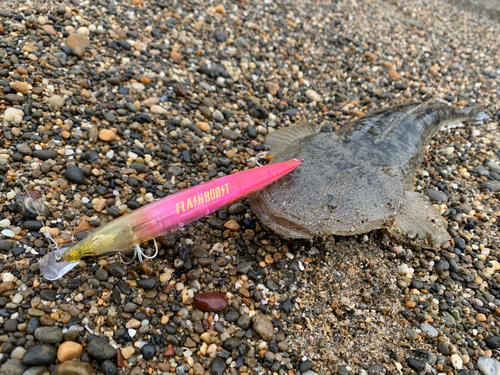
354, 180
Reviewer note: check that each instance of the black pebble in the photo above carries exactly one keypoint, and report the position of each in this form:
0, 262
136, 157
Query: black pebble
415, 364
48, 294
109, 368
75, 174
493, 342
148, 351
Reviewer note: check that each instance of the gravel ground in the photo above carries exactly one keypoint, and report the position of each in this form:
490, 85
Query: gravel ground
106, 106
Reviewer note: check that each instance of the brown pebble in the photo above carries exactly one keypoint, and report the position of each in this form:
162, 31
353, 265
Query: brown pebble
232, 225
77, 40
272, 88
147, 268
49, 29
394, 74
410, 303
75, 368
244, 292
20, 87
6, 286
170, 351
106, 135
69, 350
203, 126
198, 369
481, 317
119, 361
356, 113
47, 321
211, 301
175, 56
220, 9
37, 90
180, 91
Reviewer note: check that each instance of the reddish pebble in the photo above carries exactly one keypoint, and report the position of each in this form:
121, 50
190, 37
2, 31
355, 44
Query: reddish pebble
32, 194
211, 301
181, 91
119, 361
170, 351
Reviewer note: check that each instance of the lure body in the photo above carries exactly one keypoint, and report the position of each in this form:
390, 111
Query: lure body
176, 210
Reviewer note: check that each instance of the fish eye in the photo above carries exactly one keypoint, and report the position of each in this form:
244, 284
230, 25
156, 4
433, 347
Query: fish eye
332, 202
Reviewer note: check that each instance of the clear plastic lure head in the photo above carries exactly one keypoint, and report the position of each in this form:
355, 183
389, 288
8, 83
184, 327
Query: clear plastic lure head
52, 267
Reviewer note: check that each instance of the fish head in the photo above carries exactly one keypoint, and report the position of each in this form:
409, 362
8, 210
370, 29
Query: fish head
345, 201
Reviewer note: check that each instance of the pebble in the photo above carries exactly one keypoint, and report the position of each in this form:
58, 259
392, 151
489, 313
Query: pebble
100, 349
158, 110
45, 154
13, 114
313, 95
456, 361
56, 101
75, 174
106, 135
429, 330
49, 335
211, 301
415, 364
263, 326
75, 368
10, 325
147, 284
20, 87
109, 368
127, 352
488, 366
6, 245
18, 353
40, 355
493, 342
218, 366
148, 351
13, 367
69, 350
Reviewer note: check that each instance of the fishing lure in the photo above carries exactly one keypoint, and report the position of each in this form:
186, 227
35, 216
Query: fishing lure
164, 215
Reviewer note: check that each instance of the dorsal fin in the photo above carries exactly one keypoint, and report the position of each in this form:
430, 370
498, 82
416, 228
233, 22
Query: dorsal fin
280, 139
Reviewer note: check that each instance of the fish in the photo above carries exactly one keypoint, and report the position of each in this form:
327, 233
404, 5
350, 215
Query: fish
359, 178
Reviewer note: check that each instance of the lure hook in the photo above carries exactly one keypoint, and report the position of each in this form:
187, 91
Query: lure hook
140, 254
259, 155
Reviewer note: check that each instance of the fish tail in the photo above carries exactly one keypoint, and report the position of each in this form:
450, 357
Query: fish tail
471, 115
475, 114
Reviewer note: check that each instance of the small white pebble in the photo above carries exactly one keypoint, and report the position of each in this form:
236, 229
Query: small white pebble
6, 277
17, 298
8, 233
132, 332
4, 223
138, 86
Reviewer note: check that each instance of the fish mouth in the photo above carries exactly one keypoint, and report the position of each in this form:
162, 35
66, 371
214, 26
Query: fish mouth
277, 223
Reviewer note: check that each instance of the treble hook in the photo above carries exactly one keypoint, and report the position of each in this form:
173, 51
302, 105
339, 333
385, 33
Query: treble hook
140, 254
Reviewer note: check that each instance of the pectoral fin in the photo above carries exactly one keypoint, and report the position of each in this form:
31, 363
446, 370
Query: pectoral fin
417, 218
280, 139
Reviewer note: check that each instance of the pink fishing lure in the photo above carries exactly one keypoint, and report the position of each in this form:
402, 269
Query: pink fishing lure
167, 214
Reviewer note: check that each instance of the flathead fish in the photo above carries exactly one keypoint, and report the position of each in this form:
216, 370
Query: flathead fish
359, 178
